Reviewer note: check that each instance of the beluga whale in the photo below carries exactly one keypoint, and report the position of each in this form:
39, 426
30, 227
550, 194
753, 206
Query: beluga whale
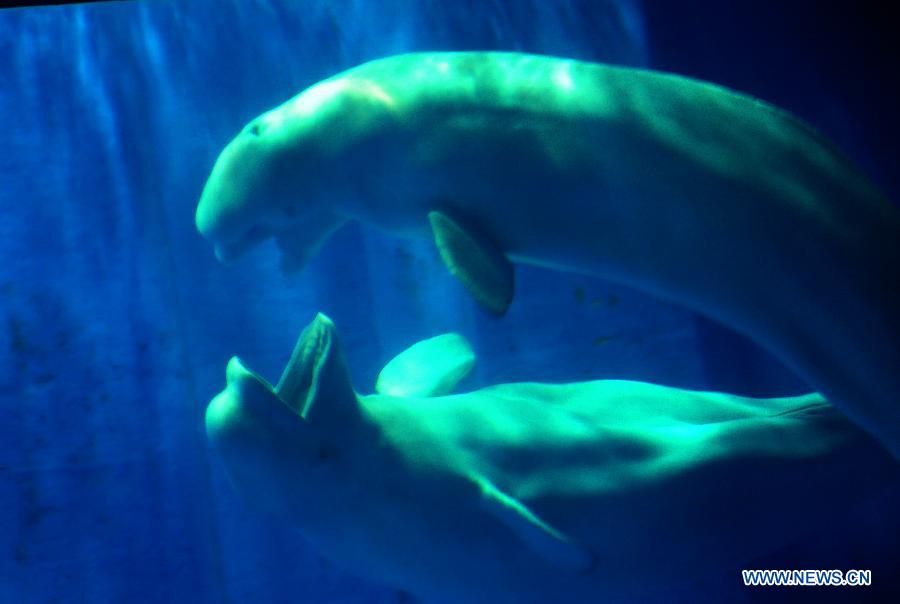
689, 191
529, 493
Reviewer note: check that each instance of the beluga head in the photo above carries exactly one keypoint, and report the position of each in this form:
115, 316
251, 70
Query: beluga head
287, 173
285, 446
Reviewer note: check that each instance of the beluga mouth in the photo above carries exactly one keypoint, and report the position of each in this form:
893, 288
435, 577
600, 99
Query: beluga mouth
230, 252
299, 381
295, 391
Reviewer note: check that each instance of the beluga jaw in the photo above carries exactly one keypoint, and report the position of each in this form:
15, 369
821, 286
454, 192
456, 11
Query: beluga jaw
702, 196
281, 176
265, 433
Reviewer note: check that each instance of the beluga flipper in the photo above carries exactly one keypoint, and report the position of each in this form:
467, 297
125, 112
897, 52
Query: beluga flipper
687, 190
432, 367
477, 262
530, 493
550, 544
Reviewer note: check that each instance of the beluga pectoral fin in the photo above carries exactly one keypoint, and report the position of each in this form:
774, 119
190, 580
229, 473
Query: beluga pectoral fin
432, 367
478, 263
544, 540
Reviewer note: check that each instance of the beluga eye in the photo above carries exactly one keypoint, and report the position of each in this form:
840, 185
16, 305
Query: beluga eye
253, 129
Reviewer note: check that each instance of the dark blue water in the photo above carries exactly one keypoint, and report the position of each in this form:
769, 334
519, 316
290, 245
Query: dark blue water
117, 321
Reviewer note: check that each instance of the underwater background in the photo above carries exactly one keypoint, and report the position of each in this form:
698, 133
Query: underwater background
117, 321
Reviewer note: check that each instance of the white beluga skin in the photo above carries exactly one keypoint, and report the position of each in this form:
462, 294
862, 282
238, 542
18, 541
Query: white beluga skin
532, 493
428, 368
684, 189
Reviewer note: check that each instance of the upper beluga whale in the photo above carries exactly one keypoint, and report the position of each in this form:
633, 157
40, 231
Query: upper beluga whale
530, 493
703, 196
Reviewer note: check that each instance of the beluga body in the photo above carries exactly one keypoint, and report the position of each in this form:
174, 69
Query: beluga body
529, 493
695, 193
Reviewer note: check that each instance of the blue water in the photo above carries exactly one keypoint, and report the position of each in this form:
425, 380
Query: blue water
117, 321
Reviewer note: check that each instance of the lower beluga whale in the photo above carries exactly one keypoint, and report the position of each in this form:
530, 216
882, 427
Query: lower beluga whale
684, 189
529, 493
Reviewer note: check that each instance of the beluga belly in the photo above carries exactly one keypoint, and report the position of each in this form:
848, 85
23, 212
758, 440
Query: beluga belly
700, 195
